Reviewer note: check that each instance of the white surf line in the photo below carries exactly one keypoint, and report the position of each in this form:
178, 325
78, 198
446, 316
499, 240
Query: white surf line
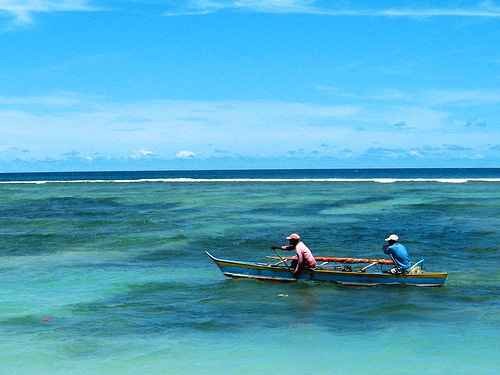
194, 180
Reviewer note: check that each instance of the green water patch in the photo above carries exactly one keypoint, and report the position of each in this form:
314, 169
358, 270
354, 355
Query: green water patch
146, 309
52, 207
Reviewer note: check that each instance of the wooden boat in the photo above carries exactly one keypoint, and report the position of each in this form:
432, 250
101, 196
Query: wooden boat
333, 269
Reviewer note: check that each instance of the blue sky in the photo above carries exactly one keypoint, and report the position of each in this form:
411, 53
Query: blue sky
149, 84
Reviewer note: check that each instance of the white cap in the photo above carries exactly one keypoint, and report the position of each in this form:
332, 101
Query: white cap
392, 237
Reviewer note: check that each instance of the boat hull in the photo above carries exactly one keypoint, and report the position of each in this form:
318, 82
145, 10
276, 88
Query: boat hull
266, 272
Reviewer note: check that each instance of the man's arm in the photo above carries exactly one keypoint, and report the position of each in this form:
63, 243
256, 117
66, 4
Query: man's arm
300, 260
283, 247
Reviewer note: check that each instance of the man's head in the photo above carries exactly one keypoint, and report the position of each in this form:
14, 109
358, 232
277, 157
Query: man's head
392, 239
294, 238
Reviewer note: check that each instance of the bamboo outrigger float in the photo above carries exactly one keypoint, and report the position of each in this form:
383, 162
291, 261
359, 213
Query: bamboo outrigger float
332, 269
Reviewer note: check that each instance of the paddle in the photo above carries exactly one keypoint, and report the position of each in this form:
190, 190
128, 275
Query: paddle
284, 261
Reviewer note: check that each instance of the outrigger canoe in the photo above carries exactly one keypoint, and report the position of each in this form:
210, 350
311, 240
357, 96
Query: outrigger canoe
332, 269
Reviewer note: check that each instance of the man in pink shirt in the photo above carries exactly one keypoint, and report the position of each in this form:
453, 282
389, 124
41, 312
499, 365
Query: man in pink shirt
304, 255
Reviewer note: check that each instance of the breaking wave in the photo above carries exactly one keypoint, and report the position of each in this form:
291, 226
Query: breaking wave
214, 180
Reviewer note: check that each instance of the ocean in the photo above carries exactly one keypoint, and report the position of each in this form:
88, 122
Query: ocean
105, 272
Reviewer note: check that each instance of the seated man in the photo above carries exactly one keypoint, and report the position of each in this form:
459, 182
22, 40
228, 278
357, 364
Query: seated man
304, 255
398, 253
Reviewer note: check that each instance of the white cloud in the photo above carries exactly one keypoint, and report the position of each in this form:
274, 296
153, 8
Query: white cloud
91, 126
61, 99
475, 157
484, 9
185, 154
187, 13
22, 10
464, 97
437, 12
142, 154
267, 6
423, 97
235, 127
415, 153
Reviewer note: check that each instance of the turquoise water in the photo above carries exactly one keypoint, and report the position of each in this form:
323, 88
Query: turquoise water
120, 270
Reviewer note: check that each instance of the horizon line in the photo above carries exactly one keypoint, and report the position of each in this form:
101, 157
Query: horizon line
250, 169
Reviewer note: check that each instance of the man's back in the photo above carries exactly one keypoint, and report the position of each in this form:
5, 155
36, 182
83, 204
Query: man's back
304, 252
399, 254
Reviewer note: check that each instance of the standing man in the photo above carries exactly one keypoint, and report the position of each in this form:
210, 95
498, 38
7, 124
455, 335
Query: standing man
398, 253
304, 255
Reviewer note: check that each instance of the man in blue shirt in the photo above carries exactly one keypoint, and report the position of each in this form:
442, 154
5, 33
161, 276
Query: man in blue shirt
398, 253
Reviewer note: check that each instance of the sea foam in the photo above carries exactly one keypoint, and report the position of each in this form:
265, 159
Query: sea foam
212, 180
